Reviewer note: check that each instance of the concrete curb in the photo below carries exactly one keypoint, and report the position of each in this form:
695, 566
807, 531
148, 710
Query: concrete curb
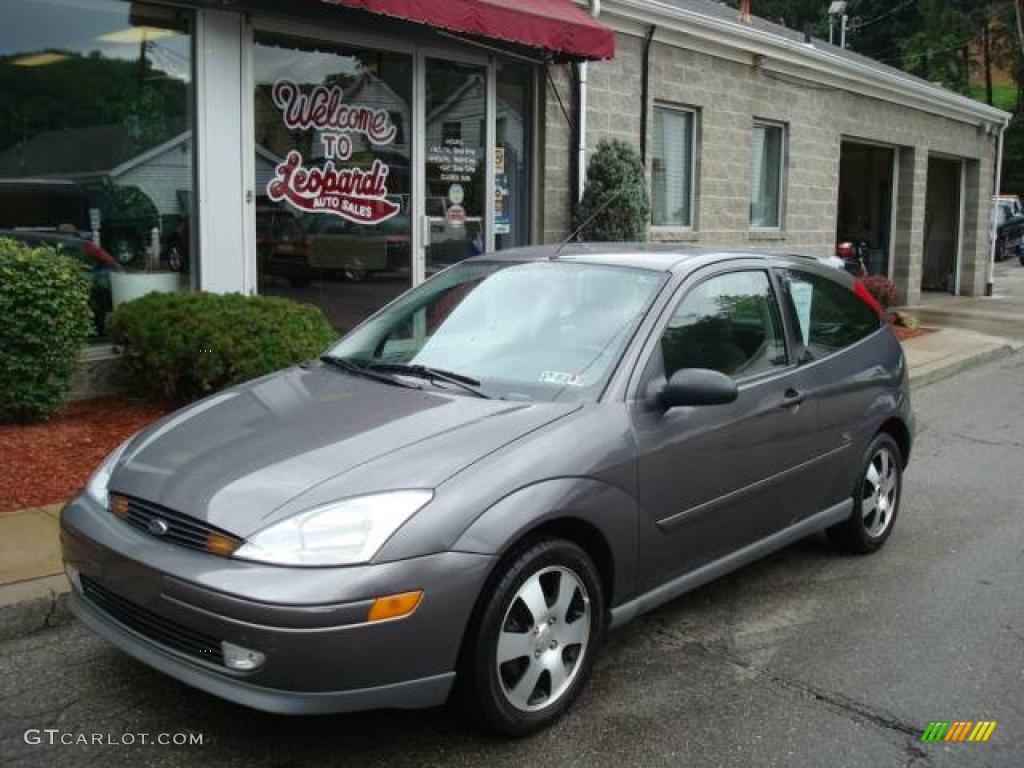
33, 605
925, 377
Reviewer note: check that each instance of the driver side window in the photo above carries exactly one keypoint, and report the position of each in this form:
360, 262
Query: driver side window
728, 323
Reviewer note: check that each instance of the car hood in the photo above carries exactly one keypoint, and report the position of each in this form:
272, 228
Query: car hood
259, 452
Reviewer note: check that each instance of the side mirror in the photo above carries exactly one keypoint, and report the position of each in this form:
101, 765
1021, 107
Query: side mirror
697, 386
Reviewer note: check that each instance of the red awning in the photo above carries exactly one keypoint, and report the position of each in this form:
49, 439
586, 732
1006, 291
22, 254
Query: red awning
559, 26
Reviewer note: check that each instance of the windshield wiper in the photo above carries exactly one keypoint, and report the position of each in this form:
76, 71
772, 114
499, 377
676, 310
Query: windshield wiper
360, 370
460, 380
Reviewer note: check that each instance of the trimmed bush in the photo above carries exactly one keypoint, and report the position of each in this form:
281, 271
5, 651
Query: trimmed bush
45, 320
881, 288
614, 168
183, 346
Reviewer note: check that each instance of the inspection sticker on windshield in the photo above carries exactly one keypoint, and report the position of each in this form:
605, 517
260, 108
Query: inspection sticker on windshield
564, 379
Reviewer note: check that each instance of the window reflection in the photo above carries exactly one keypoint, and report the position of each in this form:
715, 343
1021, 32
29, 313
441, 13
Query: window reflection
96, 143
333, 175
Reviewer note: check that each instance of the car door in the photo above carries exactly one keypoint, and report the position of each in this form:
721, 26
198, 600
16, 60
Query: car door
852, 376
713, 479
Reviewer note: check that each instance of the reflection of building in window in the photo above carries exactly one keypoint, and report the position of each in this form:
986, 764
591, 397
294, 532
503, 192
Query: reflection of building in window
451, 133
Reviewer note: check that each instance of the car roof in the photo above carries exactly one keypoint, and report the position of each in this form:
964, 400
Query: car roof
662, 257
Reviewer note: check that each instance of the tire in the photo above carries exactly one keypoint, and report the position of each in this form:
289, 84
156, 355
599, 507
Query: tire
876, 499
176, 256
1000, 250
516, 695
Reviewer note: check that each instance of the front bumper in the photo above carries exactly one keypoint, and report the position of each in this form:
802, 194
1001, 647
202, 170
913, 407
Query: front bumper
321, 654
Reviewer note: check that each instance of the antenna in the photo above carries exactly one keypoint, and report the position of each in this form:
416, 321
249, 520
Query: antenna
576, 232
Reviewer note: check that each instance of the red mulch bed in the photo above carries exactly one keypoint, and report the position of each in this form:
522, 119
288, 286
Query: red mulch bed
48, 462
903, 333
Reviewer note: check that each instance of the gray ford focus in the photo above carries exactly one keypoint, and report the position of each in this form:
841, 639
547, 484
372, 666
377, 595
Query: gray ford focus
472, 487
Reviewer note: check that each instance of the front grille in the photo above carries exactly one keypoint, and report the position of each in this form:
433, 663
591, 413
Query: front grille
156, 628
181, 529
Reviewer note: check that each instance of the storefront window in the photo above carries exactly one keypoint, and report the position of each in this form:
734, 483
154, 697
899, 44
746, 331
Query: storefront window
96, 144
333, 174
514, 137
456, 167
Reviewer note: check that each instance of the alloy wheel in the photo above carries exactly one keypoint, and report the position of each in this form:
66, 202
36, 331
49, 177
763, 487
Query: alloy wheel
880, 492
543, 638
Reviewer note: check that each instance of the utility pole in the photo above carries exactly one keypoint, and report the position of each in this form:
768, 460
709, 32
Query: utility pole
837, 10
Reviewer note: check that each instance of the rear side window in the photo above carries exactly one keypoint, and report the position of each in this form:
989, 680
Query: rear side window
829, 316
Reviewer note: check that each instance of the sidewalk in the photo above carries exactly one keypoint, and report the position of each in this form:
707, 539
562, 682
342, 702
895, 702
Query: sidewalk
32, 582
33, 588
947, 351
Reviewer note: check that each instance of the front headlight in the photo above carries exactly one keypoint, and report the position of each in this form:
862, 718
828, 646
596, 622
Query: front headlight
341, 533
96, 488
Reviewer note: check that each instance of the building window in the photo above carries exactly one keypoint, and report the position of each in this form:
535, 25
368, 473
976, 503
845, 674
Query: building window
672, 167
96, 158
767, 160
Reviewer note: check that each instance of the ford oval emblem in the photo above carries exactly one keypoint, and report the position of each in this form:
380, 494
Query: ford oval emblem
157, 527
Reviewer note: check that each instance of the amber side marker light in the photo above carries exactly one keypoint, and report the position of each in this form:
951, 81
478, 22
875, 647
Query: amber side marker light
219, 544
394, 606
119, 505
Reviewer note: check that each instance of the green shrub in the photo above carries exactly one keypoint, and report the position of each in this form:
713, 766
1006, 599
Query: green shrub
183, 346
614, 171
45, 320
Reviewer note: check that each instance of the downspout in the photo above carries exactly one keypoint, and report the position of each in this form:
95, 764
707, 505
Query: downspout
581, 115
645, 82
991, 277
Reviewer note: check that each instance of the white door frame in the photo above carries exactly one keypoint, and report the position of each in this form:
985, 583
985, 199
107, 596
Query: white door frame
961, 210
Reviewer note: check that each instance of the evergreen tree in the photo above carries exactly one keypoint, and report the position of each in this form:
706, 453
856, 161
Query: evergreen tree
615, 205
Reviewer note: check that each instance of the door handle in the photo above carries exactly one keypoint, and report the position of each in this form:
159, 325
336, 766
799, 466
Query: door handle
792, 398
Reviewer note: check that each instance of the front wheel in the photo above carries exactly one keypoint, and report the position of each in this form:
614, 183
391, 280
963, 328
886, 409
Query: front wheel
876, 499
536, 638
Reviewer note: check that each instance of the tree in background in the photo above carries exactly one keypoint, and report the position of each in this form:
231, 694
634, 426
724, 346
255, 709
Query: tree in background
949, 42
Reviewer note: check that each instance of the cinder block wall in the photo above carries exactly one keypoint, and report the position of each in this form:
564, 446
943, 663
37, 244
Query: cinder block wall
728, 96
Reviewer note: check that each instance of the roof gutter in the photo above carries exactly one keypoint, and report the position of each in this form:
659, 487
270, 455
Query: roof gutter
990, 277
581, 115
891, 86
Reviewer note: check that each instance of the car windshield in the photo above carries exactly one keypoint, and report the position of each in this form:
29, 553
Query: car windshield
541, 331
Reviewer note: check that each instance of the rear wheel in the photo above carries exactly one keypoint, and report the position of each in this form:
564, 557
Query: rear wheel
876, 499
176, 256
537, 636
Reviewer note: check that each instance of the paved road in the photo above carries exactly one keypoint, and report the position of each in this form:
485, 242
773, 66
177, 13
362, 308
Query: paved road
1002, 314
806, 659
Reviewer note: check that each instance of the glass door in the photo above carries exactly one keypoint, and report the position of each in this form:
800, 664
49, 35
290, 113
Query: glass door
333, 173
455, 162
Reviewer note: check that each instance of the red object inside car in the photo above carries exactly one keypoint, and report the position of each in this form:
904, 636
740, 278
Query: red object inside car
99, 255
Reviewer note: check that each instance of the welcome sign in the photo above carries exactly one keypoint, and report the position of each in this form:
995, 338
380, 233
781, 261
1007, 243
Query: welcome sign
356, 194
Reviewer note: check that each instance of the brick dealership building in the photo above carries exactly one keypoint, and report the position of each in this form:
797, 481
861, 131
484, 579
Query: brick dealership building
786, 143
185, 135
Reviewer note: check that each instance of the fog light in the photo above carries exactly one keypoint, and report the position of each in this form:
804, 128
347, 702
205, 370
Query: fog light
241, 659
72, 573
